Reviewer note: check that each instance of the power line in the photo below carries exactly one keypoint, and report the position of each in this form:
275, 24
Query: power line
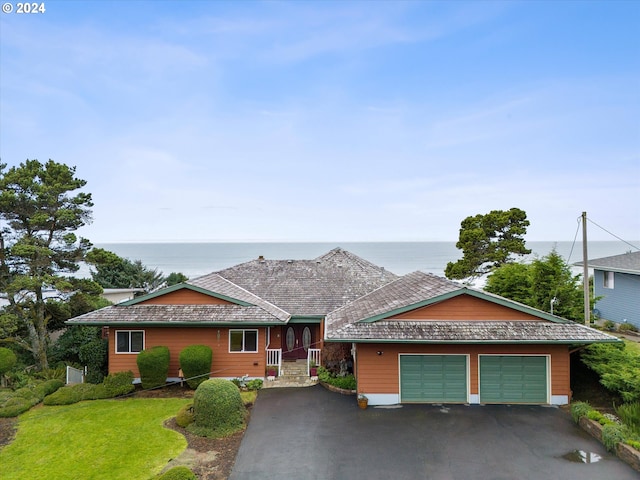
613, 234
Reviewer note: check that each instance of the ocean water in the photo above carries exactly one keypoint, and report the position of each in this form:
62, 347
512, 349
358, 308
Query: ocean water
196, 259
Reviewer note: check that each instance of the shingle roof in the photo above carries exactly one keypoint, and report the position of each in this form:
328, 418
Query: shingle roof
194, 315
309, 287
405, 291
624, 263
215, 283
364, 319
468, 332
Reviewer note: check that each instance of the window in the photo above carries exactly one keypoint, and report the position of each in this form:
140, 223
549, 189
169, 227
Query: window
129, 341
608, 279
243, 340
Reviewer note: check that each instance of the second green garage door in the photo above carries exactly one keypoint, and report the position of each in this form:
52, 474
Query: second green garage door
513, 379
433, 378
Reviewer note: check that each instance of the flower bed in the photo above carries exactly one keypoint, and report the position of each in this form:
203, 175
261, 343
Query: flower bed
611, 433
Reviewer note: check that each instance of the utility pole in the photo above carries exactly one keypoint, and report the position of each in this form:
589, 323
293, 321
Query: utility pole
585, 270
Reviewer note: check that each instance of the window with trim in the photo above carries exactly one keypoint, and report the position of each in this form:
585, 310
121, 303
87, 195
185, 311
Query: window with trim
129, 341
608, 279
243, 341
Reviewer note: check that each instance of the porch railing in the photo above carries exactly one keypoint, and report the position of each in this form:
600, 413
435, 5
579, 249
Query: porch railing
274, 357
313, 357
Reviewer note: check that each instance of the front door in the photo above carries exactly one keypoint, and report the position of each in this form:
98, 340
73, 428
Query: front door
297, 340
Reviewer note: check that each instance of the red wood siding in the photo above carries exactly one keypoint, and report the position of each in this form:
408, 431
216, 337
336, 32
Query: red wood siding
380, 373
184, 296
225, 363
465, 307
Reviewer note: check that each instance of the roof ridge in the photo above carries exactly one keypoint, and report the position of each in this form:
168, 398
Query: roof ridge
250, 294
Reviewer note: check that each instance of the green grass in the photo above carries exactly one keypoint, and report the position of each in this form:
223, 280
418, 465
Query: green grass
632, 346
102, 439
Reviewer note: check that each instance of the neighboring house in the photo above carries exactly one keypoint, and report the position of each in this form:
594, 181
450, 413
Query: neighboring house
616, 280
118, 295
416, 338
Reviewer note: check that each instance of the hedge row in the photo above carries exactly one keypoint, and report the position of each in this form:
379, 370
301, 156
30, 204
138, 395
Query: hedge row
114, 385
13, 404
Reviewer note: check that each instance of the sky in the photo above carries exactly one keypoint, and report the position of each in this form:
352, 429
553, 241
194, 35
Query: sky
335, 120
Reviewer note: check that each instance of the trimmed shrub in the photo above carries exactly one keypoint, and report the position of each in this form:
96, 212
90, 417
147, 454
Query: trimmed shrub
113, 386
218, 409
195, 362
154, 366
580, 409
633, 443
178, 473
49, 387
117, 384
64, 396
8, 360
185, 416
15, 403
15, 406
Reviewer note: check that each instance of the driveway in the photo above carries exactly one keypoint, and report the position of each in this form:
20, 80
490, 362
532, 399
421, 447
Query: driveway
314, 434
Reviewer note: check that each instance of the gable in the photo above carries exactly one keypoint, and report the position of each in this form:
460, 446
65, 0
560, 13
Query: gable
185, 296
464, 307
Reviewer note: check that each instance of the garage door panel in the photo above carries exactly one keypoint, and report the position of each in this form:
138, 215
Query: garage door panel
433, 378
513, 379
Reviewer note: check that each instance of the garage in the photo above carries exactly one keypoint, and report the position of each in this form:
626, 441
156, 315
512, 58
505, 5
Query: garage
513, 379
433, 378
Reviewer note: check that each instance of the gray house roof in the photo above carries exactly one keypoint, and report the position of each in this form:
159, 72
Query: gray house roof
177, 315
365, 319
309, 287
261, 291
468, 332
624, 263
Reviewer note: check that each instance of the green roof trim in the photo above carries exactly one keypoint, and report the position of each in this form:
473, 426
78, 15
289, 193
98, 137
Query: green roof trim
142, 325
474, 293
306, 319
180, 286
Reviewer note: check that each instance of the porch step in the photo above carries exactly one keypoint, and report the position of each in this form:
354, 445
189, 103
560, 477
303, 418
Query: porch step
292, 374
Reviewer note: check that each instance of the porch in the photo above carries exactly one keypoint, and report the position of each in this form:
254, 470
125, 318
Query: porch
291, 373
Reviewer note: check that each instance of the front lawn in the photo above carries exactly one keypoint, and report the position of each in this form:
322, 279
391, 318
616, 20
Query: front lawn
110, 439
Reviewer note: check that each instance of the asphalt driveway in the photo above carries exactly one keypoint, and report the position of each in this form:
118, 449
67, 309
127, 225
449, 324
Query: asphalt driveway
314, 434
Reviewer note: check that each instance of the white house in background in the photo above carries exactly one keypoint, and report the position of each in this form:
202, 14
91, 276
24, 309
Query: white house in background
118, 295
616, 280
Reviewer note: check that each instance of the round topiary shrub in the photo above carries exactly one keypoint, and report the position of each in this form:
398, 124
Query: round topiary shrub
178, 473
185, 416
154, 366
218, 410
8, 360
195, 362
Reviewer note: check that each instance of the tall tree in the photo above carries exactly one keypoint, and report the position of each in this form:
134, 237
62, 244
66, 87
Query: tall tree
488, 242
112, 271
538, 283
40, 209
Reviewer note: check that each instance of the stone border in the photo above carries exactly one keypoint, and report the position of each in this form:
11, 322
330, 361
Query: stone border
341, 391
624, 452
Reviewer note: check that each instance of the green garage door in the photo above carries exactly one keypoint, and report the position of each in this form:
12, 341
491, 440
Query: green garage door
433, 378
510, 379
